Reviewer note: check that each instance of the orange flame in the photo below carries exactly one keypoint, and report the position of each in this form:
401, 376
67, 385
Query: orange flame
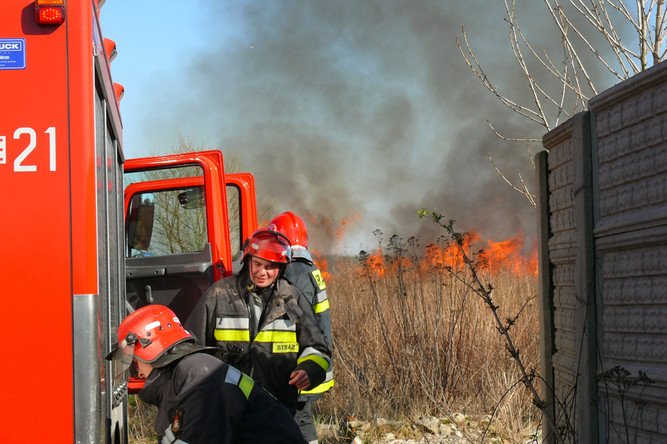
375, 263
450, 255
508, 255
321, 263
494, 257
345, 224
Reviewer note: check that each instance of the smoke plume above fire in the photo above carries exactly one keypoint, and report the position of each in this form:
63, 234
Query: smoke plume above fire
356, 114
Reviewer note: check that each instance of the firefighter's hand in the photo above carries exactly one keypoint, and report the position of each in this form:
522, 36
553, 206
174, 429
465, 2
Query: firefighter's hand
299, 378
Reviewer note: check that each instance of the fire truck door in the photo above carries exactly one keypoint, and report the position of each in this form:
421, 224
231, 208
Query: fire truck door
177, 237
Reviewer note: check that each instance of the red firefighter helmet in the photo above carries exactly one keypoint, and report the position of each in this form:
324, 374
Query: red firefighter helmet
152, 330
267, 244
292, 226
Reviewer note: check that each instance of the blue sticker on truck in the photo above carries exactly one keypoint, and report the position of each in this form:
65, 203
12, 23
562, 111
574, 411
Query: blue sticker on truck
12, 53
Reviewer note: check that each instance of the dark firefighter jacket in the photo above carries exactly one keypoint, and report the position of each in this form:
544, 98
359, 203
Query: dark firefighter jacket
302, 273
287, 338
201, 399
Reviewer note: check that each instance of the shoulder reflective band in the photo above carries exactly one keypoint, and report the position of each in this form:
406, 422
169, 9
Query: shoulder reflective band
241, 380
321, 307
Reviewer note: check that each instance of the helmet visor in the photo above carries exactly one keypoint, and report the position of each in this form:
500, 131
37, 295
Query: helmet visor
122, 355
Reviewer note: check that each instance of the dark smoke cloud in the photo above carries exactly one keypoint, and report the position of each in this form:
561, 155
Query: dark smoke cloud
364, 110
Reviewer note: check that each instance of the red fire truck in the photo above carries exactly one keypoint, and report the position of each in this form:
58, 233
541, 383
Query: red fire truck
71, 265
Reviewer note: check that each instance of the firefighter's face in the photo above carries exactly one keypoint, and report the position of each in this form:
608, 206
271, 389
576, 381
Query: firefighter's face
143, 369
262, 272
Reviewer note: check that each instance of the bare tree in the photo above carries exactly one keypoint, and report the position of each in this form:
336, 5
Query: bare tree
599, 39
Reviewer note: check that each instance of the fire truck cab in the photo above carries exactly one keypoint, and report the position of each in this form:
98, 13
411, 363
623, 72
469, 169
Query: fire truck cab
69, 256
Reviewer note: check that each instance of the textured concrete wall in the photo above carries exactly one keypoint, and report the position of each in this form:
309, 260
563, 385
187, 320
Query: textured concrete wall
607, 253
570, 247
630, 226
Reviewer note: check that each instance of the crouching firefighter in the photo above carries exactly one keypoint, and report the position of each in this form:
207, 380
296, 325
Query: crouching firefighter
200, 399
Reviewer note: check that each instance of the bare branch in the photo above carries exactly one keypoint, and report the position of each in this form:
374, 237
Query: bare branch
521, 190
561, 19
526, 192
514, 26
562, 78
510, 139
606, 29
659, 31
475, 67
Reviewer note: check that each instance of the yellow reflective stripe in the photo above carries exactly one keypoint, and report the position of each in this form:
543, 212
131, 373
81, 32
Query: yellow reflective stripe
276, 336
246, 384
232, 335
324, 387
322, 306
319, 360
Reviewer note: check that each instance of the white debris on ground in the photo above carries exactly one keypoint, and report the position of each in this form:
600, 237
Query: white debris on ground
453, 429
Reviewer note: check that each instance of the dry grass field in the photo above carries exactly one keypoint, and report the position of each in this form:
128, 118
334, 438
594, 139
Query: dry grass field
413, 340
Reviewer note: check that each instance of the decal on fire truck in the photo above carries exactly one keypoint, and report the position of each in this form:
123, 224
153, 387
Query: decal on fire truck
26, 143
12, 53
3, 149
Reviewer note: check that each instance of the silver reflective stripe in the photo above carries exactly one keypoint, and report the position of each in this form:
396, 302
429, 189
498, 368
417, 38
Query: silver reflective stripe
232, 323
280, 325
233, 376
321, 296
170, 438
310, 351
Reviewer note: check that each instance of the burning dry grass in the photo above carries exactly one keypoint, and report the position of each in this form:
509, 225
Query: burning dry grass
412, 339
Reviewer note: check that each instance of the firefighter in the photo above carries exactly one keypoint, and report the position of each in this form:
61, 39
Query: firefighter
264, 325
200, 399
302, 272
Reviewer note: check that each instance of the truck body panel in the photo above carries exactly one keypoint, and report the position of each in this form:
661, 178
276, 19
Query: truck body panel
60, 164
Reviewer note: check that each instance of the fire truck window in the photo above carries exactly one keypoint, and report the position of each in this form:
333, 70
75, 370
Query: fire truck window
167, 222
234, 215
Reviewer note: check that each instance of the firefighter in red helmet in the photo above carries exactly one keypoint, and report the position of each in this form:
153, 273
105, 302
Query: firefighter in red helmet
306, 276
200, 399
264, 325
